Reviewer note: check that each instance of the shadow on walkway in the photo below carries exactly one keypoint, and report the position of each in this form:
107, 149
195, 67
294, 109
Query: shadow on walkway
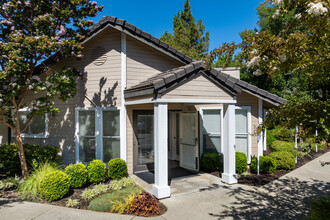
287, 198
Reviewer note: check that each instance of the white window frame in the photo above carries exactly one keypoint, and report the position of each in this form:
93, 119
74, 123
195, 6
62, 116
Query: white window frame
201, 109
98, 129
25, 135
248, 108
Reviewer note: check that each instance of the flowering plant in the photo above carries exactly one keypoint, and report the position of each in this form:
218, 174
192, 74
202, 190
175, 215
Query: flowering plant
32, 34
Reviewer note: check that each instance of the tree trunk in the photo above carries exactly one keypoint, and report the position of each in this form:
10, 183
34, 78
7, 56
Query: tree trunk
21, 155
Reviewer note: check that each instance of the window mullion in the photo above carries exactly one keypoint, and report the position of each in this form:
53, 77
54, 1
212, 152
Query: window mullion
98, 133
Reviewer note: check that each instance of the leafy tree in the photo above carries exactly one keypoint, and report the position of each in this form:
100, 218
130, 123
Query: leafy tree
301, 48
31, 32
188, 36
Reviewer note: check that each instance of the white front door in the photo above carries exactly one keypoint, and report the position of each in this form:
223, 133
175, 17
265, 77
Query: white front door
189, 141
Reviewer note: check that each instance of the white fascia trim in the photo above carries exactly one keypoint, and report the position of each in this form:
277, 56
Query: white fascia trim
248, 108
193, 101
123, 112
201, 119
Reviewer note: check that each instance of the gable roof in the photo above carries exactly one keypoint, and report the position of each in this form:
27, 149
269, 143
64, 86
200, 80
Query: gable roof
162, 82
137, 33
127, 28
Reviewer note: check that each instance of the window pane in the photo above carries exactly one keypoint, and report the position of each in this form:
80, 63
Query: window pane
211, 121
37, 125
212, 143
111, 123
23, 120
87, 123
241, 121
111, 149
242, 144
86, 149
212, 131
145, 138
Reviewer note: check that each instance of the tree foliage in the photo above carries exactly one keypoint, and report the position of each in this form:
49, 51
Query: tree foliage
188, 36
289, 56
30, 32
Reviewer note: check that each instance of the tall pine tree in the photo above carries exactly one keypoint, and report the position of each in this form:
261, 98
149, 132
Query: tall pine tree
188, 36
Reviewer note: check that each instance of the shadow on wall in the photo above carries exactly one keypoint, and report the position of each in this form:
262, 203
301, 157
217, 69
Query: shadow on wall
108, 94
61, 126
287, 198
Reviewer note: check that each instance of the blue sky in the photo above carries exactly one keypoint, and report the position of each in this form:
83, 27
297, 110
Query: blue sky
224, 19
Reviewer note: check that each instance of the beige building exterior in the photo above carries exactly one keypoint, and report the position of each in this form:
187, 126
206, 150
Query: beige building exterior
147, 103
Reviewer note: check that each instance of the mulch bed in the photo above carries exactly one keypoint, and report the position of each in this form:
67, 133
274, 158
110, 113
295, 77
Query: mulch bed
262, 179
73, 194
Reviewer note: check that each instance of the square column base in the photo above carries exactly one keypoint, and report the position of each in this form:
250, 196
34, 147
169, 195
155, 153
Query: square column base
229, 178
161, 192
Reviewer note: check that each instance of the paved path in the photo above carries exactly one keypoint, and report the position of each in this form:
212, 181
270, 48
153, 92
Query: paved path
285, 198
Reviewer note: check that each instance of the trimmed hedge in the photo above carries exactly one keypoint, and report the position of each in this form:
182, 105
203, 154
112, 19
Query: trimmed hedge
284, 146
240, 162
54, 185
284, 160
9, 160
211, 162
97, 171
117, 169
78, 174
267, 165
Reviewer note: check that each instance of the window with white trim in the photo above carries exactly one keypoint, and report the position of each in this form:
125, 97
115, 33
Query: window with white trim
37, 128
211, 131
97, 134
243, 130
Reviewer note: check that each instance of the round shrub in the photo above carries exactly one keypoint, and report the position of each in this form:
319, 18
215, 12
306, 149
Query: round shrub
117, 169
97, 171
284, 160
78, 174
284, 146
211, 162
284, 134
267, 165
241, 162
54, 185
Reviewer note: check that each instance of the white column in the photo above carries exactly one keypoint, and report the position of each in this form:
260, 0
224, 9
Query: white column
161, 188
260, 135
229, 169
296, 140
123, 113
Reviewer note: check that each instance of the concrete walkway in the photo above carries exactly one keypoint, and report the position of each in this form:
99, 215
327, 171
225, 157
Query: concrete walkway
285, 198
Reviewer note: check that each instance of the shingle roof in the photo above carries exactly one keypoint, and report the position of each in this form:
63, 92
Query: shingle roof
161, 82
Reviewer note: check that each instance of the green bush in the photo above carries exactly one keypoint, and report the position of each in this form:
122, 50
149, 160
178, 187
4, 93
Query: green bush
10, 160
28, 189
284, 160
267, 165
104, 202
97, 171
284, 134
54, 185
78, 174
211, 162
240, 162
270, 137
117, 169
320, 208
284, 146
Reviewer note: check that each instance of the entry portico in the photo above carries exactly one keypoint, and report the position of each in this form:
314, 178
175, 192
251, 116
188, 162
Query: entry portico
186, 87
